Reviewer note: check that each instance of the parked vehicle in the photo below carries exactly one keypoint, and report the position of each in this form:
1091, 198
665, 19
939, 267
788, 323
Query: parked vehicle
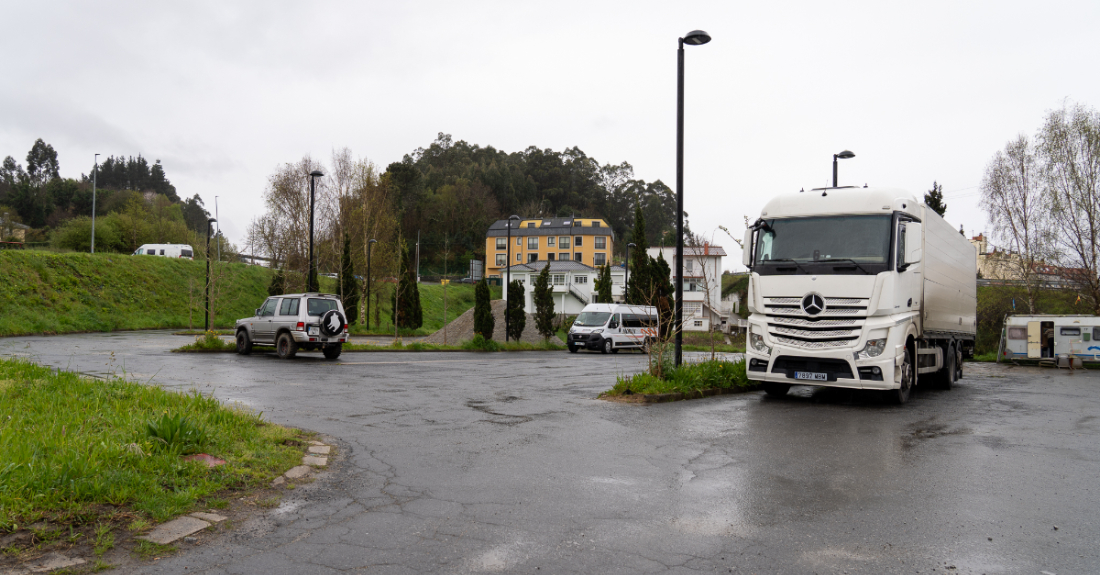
1039, 337
295, 321
166, 250
610, 327
864, 288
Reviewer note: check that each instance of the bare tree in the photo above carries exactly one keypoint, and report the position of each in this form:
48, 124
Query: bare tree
1069, 143
1012, 196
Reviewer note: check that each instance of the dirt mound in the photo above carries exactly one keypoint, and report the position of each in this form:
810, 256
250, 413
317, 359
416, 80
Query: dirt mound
462, 328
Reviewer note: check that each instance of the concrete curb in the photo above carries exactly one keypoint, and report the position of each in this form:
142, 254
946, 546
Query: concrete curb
666, 397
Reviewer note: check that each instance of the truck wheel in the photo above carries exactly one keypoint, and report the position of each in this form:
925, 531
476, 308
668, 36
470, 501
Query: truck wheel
776, 389
958, 365
908, 373
244, 344
286, 347
332, 350
606, 346
950, 371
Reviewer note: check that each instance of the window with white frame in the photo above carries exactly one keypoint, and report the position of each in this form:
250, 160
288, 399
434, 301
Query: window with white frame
599, 259
698, 323
550, 241
519, 240
563, 257
577, 257
563, 242
578, 241
558, 279
502, 259
533, 243
580, 279
502, 243
550, 257
519, 257
532, 257
692, 308
688, 265
601, 243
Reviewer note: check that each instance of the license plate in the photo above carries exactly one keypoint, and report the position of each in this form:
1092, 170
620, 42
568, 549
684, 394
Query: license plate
314, 330
811, 376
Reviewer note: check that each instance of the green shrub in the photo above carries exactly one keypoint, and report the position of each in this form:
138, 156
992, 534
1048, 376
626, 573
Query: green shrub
684, 379
209, 341
176, 433
480, 344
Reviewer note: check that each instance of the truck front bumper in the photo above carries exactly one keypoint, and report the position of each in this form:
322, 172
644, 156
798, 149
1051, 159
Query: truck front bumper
797, 366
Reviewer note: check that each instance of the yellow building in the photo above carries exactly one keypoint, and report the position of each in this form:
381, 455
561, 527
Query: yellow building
589, 241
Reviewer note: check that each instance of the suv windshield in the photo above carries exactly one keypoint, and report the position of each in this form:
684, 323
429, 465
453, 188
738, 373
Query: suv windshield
318, 306
592, 318
852, 239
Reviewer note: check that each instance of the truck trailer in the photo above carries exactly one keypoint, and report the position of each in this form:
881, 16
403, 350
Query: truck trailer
861, 288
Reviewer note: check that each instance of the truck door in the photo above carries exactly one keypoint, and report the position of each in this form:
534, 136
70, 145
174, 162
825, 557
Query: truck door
1034, 339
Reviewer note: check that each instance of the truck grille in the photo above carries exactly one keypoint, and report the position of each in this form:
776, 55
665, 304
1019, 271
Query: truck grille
838, 326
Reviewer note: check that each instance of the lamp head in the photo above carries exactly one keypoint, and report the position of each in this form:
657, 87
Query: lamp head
513, 217
316, 173
373, 242
211, 220
845, 155
696, 38
631, 245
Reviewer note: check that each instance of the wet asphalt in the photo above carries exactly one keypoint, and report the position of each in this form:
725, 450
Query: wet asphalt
471, 463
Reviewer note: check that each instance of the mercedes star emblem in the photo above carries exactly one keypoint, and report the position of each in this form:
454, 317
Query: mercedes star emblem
813, 304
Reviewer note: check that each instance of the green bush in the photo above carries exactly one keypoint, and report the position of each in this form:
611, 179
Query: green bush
209, 341
684, 379
176, 433
479, 343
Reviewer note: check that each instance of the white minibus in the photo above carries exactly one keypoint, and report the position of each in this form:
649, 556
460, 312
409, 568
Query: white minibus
610, 327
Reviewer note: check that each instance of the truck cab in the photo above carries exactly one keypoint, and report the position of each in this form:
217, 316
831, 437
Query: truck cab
857, 287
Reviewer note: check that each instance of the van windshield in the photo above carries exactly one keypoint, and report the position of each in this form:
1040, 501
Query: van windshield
592, 318
318, 306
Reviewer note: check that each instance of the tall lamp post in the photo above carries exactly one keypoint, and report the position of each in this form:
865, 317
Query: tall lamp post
508, 273
209, 225
693, 38
312, 279
843, 156
95, 172
370, 244
626, 274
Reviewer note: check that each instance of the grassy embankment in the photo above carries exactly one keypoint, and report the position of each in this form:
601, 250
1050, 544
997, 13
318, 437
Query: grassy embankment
460, 297
82, 460
42, 292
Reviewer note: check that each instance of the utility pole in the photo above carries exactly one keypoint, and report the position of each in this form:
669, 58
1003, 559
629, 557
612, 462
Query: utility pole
95, 172
417, 256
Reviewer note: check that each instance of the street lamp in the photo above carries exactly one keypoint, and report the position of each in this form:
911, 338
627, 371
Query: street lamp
370, 244
843, 156
626, 274
209, 225
508, 273
311, 280
693, 38
95, 171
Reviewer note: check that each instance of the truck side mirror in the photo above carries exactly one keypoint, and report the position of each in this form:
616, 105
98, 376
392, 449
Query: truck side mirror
912, 243
746, 249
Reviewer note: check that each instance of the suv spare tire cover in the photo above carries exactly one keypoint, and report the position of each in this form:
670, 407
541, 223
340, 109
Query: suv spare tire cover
332, 323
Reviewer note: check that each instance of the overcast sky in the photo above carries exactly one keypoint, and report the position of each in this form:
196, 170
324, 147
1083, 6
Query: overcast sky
224, 92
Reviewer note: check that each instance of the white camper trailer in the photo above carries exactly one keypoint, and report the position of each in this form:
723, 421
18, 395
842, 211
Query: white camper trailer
1046, 337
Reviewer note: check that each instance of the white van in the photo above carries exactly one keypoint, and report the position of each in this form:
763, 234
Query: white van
610, 327
166, 250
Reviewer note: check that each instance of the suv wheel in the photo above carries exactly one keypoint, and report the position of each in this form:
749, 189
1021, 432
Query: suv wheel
244, 344
285, 346
332, 350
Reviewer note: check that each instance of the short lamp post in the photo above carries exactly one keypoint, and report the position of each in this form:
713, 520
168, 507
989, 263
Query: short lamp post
209, 225
693, 38
626, 273
843, 156
95, 172
370, 244
312, 279
508, 273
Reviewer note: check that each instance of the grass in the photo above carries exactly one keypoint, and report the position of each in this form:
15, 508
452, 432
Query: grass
46, 292
988, 357
460, 297
209, 341
684, 379
76, 451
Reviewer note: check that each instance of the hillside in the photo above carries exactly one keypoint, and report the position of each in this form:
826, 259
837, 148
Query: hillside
42, 292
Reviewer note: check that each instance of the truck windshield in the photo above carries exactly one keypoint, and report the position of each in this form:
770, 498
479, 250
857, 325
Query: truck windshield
852, 239
591, 318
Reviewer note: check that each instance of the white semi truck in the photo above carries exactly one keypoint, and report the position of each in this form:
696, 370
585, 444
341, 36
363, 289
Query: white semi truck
863, 288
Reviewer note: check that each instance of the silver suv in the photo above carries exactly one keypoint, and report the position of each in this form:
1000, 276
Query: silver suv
301, 320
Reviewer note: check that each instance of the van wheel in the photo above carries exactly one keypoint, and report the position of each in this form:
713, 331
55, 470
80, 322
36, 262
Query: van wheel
286, 347
607, 347
332, 350
244, 344
572, 348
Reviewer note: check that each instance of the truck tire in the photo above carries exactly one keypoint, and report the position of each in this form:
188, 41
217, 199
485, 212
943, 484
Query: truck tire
776, 389
285, 346
958, 365
607, 347
908, 377
950, 370
244, 343
332, 350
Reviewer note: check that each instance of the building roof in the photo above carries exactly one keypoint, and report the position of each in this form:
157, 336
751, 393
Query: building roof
551, 227
555, 266
705, 250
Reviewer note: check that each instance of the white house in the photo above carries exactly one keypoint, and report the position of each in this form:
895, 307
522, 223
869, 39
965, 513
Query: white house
573, 284
703, 305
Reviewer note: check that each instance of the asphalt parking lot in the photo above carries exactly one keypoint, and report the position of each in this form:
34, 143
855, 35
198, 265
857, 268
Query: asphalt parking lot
469, 463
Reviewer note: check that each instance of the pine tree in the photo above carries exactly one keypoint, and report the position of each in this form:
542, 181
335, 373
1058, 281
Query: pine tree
278, 283
483, 311
603, 285
408, 313
934, 199
639, 275
349, 286
517, 319
663, 292
544, 304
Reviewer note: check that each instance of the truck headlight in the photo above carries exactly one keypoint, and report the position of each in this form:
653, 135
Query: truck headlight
876, 344
757, 341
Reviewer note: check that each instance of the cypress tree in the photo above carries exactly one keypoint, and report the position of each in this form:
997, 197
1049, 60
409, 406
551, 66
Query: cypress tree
349, 286
483, 311
638, 290
663, 292
408, 313
517, 319
603, 285
278, 283
544, 304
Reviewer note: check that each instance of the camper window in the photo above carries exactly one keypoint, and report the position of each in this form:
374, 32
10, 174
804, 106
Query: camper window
1017, 333
1070, 331
1096, 334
